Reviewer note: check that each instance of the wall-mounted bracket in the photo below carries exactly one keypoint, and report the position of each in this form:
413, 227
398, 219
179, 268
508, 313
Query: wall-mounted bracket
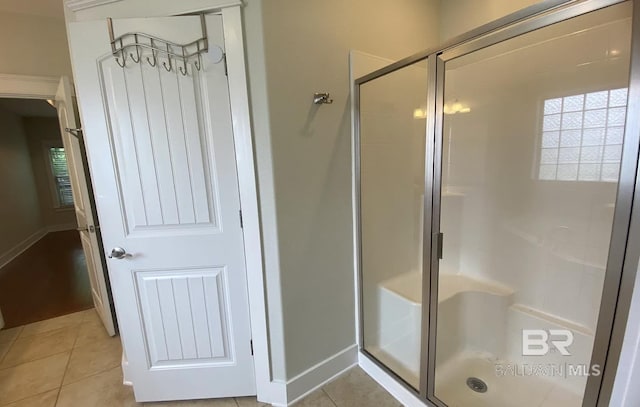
320, 98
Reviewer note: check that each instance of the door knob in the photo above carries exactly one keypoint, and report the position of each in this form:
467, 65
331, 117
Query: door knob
118, 253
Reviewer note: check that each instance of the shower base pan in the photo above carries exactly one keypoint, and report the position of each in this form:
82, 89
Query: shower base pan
503, 390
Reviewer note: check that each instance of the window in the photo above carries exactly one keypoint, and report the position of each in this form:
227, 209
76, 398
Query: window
60, 174
582, 136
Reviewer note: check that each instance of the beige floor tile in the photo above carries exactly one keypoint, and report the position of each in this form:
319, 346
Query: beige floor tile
195, 403
40, 346
65, 321
47, 399
356, 389
4, 348
9, 335
316, 399
93, 358
90, 315
17, 383
249, 402
91, 331
101, 390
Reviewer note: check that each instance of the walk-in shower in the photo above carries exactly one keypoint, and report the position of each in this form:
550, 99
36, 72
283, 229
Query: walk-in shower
494, 184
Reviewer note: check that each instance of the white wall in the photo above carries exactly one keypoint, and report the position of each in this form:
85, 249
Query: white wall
41, 131
19, 208
33, 45
304, 158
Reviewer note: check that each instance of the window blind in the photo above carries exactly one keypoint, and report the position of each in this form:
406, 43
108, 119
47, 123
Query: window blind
60, 172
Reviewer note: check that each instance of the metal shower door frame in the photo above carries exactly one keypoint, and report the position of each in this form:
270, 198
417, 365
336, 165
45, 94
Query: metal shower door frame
624, 249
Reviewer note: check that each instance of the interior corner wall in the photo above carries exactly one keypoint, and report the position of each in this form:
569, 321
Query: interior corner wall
19, 208
304, 158
40, 132
257, 83
33, 45
460, 16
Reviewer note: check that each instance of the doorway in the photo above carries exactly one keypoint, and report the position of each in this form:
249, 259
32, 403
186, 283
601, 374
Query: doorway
49, 183
44, 271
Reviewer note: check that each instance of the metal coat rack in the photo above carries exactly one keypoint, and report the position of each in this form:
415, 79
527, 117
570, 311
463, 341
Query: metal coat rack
131, 44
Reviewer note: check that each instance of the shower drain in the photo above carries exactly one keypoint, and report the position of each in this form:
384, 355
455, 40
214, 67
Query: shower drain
477, 385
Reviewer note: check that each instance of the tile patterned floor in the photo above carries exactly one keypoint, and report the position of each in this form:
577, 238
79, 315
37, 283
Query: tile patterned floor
70, 361
352, 389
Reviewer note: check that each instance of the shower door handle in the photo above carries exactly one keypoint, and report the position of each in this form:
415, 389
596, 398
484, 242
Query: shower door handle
439, 237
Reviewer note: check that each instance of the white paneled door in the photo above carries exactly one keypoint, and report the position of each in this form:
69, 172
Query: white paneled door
161, 152
80, 187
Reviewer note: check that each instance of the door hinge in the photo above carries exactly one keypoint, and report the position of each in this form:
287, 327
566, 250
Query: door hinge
88, 228
241, 222
77, 133
251, 344
224, 60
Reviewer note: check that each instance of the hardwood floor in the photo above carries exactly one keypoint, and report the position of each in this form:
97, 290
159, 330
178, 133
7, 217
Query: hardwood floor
48, 280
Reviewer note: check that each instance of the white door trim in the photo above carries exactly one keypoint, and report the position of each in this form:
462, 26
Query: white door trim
268, 390
28, 87
75, 5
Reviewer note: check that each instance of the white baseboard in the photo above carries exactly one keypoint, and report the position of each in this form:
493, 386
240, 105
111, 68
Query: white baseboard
401, 393
61, 228
320, 374
18, 249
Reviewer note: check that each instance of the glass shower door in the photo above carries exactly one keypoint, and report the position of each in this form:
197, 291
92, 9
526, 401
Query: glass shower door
391, 185
532, 135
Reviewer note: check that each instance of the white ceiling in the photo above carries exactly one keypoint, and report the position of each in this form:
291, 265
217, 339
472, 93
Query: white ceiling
41, 8
28, 107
